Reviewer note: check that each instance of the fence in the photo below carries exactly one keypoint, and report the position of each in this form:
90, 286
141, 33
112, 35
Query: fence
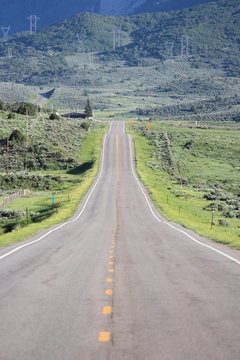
17, 195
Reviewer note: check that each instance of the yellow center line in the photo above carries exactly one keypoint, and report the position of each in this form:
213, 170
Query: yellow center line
107, 310
117, 156
109, 280
109, 292
110, 263
104, 336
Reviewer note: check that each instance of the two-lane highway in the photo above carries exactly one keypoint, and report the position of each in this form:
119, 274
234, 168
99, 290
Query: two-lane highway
119, 282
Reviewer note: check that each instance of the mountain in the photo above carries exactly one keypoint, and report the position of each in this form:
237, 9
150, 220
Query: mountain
14, 13
211, 31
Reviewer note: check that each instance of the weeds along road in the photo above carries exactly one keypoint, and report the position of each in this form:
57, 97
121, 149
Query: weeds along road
119, 282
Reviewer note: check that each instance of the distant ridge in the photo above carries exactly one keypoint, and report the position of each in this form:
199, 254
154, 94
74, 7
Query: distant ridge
14, 13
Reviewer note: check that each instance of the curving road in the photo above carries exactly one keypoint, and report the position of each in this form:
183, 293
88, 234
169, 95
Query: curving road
119, 282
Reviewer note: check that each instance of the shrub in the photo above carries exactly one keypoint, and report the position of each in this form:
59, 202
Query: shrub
223, 222
25, 108
229, 214
11, 116
17, 136
54, 116
85, 126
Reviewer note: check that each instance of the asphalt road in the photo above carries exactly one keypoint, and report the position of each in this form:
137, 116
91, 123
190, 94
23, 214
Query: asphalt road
119, 282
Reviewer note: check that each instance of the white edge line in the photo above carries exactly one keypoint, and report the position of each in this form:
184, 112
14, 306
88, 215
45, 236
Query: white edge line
138, 182
68, 222
110, 128
167, 223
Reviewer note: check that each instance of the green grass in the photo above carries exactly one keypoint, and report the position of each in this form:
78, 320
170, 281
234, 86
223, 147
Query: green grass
67, 200
185, 204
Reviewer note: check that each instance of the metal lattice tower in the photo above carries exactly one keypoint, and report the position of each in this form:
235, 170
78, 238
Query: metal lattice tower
117, 38
169, 49
184, 45
81, 40
33, 19
5, 31
9, 53
114, 39
91, 60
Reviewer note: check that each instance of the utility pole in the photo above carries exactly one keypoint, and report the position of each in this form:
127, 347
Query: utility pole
7, 157
26, 161
5, 31
33, 19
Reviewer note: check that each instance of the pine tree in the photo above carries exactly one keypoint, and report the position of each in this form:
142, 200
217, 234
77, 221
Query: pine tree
88, 109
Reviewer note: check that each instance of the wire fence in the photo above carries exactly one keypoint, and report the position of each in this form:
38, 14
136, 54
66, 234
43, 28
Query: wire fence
12, 197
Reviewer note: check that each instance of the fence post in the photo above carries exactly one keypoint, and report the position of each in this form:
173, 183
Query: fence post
212, 218
27, 215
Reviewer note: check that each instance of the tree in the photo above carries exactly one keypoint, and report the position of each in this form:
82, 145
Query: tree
88, 109
25, 108
17, 136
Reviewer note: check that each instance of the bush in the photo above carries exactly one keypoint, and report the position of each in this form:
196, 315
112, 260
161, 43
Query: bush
2, 106
17, 136
54, 116
229, 214
10, 226
25, 109
11, 116
85, 126
223, 222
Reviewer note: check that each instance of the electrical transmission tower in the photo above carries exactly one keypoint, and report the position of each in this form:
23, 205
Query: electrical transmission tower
81, 39
33, 19
117, 38
9, 53
5, 31
91, 60
169, 48
114, 39
184, 45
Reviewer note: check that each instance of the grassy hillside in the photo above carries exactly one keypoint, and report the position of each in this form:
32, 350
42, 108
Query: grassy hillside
192, 176
56, 157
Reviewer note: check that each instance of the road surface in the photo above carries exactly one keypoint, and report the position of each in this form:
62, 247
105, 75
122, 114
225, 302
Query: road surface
119, 282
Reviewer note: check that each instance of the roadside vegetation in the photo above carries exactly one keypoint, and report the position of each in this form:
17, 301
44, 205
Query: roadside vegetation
193, 175
57, 165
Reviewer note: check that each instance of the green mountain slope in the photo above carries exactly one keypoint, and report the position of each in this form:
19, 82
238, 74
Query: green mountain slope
212, 30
